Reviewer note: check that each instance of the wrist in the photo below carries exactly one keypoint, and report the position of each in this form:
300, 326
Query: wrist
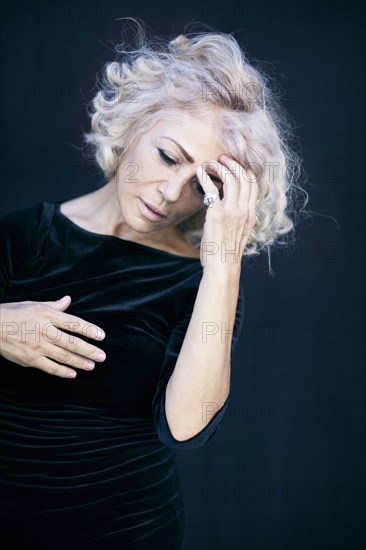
227, 274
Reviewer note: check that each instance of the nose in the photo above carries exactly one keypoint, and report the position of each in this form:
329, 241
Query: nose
172, 189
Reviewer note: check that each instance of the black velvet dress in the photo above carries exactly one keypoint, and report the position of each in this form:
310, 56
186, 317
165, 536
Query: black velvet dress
89, 463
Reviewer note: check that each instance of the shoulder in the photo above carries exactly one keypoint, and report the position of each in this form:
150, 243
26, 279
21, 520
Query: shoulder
24, 221
77, 210
22, 231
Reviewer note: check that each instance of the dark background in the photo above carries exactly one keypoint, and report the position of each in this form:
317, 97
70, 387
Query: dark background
286, 469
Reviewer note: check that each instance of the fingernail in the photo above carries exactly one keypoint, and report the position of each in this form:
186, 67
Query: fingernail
100, 334
89, 365
101, 356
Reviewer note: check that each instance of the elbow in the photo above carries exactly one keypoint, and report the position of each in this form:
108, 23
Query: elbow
189, 444
183, 434
173, 440
182, 440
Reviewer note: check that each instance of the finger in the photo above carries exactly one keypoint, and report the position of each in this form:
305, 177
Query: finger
237, 192
206, 182
68, 358
47, 365
249, 192
73, 323
254, 192
61, 304
66, 348
229, 181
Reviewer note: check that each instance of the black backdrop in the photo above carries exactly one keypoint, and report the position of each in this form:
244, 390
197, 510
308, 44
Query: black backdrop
286, 469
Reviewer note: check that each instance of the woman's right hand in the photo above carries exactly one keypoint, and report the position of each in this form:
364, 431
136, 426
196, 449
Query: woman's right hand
31, 337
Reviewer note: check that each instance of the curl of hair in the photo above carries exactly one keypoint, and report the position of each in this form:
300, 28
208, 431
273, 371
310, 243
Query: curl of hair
204, 74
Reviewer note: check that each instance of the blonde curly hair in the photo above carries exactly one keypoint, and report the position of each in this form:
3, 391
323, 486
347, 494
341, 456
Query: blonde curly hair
201, 73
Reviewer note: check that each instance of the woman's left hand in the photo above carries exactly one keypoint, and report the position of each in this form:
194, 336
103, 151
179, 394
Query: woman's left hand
230, 220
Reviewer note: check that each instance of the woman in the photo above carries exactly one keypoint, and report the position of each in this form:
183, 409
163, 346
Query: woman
133, 363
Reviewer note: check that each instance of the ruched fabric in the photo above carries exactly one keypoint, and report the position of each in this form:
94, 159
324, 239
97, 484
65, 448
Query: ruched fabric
90, 462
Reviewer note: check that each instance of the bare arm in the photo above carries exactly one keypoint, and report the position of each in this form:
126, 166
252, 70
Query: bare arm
201, 376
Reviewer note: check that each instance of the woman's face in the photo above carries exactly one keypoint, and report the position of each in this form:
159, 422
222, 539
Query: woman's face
156, 171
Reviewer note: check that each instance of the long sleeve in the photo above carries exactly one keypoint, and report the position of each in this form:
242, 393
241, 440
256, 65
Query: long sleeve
158, 404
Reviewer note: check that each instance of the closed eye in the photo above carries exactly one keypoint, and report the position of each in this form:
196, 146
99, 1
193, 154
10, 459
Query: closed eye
170, 162
165, 158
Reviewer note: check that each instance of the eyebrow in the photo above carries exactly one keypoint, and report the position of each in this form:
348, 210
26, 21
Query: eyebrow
190, 159
183, 151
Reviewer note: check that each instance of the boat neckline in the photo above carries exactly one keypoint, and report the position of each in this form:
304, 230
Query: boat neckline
113, 238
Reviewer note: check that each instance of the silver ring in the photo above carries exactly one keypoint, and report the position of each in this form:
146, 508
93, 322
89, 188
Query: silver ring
210, 198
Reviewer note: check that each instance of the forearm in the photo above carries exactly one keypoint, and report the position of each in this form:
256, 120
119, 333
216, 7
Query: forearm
201, 377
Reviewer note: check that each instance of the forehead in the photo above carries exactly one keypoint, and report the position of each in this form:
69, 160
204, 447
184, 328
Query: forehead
198, 137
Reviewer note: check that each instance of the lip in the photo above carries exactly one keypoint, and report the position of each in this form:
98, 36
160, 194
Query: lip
148, 211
